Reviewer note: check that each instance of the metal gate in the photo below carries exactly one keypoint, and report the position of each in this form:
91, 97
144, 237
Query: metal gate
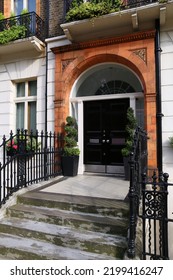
155, 217
148, 201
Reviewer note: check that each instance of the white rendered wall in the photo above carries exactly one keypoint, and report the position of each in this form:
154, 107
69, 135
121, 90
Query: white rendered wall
167, 121
167, 99
50, 90
16, 72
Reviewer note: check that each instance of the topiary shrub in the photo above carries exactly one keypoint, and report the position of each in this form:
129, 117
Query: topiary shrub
130, 128
70, 138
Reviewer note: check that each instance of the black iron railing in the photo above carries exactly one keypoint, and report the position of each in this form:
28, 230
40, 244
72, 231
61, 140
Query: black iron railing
28, 158
138, 165
26, 25
155, 217
148, 201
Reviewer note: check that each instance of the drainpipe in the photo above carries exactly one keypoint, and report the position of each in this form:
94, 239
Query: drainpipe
46, 78
159, 114
46, 90
46, 81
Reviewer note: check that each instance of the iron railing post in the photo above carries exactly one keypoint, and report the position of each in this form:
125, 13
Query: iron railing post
165, 218
45, 158
144, 177
132, 222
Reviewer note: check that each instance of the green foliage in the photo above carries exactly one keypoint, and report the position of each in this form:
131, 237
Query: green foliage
71, 131
171, 141
70, 141
71, 151
1, 16
24, 11
70, 138
91, 9
12, 14
13, 33
30, 143
130, 128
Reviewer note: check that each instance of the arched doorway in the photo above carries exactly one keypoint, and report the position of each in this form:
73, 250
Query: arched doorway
99, 101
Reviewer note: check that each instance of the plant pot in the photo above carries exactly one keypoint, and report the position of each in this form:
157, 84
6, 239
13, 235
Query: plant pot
69, 165
126, 168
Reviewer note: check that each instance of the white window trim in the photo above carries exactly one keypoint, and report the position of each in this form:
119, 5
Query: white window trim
25, 99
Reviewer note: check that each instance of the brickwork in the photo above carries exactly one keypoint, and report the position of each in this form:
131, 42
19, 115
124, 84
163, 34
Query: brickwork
7, 8
52, 11
56, 15
2, 6
75, 59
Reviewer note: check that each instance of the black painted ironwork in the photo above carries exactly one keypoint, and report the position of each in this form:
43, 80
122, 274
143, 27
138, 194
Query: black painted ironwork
148, 201
138, 165
155, 216
33, 24
28, 158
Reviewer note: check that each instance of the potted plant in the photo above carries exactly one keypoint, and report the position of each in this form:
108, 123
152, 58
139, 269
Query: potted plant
130, 128
70, 156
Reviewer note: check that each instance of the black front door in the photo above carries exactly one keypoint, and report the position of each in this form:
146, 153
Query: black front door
104, 135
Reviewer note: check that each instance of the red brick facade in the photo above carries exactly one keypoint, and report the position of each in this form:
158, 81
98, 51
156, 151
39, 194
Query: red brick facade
135, 51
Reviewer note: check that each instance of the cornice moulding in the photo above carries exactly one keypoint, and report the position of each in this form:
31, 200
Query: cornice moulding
109, 41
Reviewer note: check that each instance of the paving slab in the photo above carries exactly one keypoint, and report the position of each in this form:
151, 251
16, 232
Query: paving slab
91, 185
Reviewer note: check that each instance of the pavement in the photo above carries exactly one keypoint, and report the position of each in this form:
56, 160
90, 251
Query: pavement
92, 185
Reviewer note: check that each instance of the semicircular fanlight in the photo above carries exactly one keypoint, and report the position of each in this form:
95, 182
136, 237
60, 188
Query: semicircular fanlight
113, 87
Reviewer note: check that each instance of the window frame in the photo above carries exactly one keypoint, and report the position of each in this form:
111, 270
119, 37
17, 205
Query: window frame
26, 99
25, 5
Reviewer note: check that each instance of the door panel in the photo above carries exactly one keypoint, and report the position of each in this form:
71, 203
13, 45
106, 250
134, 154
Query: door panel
93, 133
104, 134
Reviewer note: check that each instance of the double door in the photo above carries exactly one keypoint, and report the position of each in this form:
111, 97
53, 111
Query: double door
104, 135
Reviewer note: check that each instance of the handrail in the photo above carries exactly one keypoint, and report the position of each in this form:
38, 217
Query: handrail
138, 165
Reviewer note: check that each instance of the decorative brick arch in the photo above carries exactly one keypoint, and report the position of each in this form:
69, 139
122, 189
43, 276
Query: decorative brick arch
135, 52
72, 73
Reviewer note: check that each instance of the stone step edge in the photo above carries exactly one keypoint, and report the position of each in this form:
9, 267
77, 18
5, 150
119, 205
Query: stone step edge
61, 231
63, 214
45, 249
52, 199
65, 218
88, 241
